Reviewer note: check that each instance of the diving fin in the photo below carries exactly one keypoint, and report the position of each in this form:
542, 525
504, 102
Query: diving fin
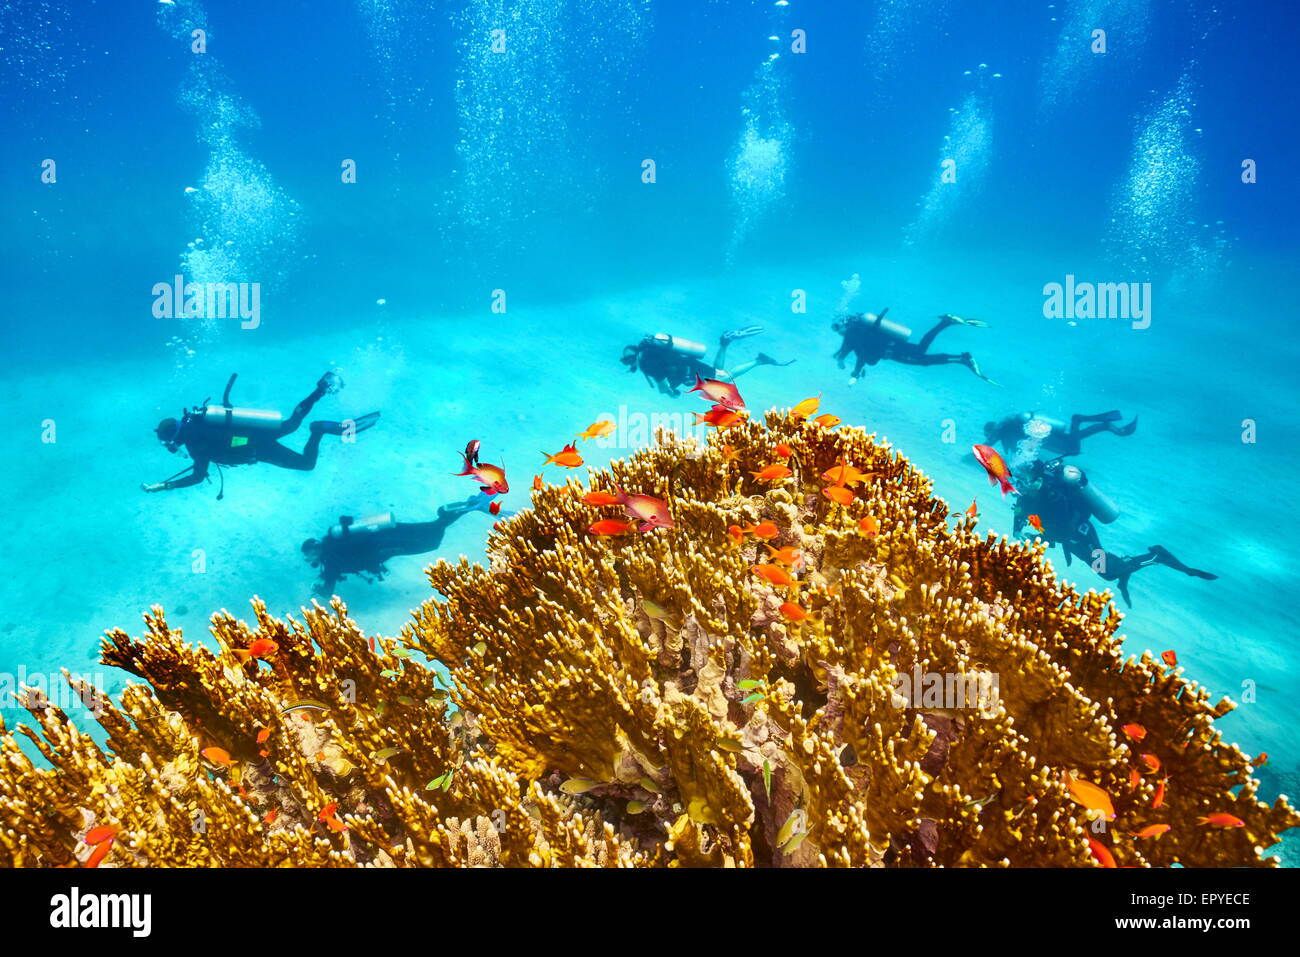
1163, 556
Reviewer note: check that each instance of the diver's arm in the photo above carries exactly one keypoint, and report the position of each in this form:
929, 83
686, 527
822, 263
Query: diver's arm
198, 472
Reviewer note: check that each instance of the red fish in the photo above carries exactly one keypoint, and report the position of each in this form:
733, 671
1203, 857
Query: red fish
719, 417
495, 507
327, 815
651, 512
263, 735
537, 483
767, 530
1159, 800
774, 574
793, 612
1036, 524
868, 525
1169, 658
999, 472
772, 473
271, 815
601, 498
973, 510
98, 835
784, 450
1151, 830
1151, 761
1260, 761
737, 533
100, 852
492, 478
217, 756
1134, 779
1101, 852
611, 526
1134, 731
261, 648
1221, 819
838, 494
720, 393
567, 457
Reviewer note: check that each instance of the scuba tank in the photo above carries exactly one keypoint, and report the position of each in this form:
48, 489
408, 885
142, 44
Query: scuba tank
1100, 506
361, 526
238, 420
683, 347
895, 330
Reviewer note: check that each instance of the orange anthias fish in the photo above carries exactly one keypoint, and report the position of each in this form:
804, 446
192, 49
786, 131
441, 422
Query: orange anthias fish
1036, 523
772, 473
868, 525
1221, 819
1260, 761
1169, 658
1101, 852
827, 421
793, 612
719, 417
784, 450
838, 494
729, 454
495, 507
327, 815
100, 852
1134, 779
271, 815
1134, 731
999, 471
844, 474
98, 835
611, 526
1151, 761
789, 556
774, 575
651, 512
492, 478
737, 533
765, 530
567, 457
1090, 796
806, 408
1159, 799
1151, 830
724, 394
261, 648
601, 498
973, 510
598, 430
537, 483
217, 756
263, 735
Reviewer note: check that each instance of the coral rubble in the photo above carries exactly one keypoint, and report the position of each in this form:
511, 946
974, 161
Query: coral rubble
653, 700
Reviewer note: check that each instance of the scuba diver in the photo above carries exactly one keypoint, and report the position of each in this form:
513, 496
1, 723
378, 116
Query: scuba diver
670, 362
362, 546
224, 435
871, 338
1051, 435
1066, 503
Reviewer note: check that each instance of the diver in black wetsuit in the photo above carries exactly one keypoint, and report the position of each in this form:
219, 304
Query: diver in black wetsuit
1066, 503
362, 546
1051, 434
870, 338
669, 362
224, 435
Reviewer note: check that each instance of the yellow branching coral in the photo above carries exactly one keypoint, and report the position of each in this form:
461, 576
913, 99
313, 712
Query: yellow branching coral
789, 676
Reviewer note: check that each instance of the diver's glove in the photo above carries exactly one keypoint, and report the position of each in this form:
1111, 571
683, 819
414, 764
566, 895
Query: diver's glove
156, 487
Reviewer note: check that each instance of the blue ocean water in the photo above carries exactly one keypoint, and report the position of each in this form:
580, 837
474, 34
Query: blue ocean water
463, 223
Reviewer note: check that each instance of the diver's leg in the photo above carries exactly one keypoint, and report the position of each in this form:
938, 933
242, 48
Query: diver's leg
1162, 556
302, 408
926, 340
276, 454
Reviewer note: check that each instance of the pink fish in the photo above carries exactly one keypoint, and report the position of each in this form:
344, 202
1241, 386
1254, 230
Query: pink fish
722, 393
999, 472
491, 478
651, 512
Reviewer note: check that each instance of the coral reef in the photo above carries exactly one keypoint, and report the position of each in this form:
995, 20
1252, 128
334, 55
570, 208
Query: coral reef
730, 691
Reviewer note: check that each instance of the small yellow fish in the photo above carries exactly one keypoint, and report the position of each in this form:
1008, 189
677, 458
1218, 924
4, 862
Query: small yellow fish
579, 785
